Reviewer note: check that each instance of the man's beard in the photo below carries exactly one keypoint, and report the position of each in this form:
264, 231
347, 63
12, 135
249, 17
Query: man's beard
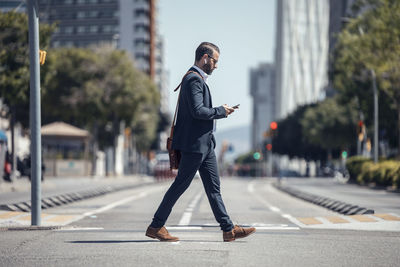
207, 68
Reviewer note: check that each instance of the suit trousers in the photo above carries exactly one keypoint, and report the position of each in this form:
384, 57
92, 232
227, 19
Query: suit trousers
206, 164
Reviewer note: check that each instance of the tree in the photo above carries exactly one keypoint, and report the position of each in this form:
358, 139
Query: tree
14, 63
98, 88
330, 125
290, 140
371, 42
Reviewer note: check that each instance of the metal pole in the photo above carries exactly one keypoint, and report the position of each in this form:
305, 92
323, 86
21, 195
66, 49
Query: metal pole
376, 122
35, 122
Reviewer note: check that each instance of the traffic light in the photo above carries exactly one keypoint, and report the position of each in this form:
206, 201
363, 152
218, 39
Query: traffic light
273, 125
256, 155
344, 154
42, 56
268, 147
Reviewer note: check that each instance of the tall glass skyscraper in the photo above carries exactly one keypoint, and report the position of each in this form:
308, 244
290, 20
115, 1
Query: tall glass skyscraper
302, 45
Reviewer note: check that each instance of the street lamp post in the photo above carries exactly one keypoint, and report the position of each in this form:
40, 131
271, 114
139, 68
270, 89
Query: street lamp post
376, 111
35, 122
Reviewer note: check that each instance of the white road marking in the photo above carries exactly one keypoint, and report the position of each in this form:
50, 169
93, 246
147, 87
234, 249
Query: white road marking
187, 215
250, 188
184, 227
78, 229
113, 205
274, 209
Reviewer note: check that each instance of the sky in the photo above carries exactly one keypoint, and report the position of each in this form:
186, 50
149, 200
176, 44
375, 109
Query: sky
243, 30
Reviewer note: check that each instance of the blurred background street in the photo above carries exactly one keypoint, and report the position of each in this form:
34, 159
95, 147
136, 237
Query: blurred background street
311, 158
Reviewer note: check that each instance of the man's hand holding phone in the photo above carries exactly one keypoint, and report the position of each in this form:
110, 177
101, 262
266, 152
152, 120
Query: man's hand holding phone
229, 110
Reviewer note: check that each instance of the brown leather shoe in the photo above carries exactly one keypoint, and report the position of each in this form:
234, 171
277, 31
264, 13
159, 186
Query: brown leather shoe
160, 234
237, 232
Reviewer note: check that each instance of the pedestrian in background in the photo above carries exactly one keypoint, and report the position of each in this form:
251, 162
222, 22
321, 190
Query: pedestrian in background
193, 137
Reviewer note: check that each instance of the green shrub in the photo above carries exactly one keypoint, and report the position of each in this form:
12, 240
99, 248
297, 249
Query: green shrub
388, 171
354, 166
383, 173
368, 172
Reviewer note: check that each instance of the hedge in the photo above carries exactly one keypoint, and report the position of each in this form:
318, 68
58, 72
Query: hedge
384, 173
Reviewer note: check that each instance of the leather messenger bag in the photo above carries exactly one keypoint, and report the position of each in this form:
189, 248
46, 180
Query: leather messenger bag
175, 155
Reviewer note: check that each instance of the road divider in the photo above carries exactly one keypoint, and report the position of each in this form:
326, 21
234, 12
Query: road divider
331, 204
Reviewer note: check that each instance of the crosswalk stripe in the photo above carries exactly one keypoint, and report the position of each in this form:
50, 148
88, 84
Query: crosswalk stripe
62, 218
362, 218
10, 214
336, 219
309, 221
28, 217
387, 217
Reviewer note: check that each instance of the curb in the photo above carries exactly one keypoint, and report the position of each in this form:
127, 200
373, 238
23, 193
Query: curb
331, 204
67, 198
30, 228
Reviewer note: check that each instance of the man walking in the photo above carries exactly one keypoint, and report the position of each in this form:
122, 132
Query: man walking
193, 136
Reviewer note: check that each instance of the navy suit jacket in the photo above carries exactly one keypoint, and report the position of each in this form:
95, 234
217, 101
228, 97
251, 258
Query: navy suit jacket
195, 119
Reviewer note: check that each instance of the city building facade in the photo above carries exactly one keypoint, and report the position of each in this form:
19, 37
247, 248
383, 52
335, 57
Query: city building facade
301, 58
263, 92
12, 5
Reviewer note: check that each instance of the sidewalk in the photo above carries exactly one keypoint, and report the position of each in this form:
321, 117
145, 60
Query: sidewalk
379, 200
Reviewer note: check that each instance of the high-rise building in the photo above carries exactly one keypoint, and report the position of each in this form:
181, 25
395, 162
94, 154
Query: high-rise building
302, 44
263, 92
339, 14
12, 5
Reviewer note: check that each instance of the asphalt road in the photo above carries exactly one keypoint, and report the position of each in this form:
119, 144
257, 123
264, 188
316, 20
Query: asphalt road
109, 231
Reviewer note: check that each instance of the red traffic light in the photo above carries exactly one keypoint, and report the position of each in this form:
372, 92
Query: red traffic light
268, 147
360, 123
273, 125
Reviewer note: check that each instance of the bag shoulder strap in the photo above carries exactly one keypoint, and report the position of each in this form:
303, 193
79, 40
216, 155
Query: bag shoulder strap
177, 103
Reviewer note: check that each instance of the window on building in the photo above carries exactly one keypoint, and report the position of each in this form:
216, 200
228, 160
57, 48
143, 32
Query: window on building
80, 1
94, 29
68, 2
81, 29
141, 12
81, 14
93, 14
107, 28
68, 29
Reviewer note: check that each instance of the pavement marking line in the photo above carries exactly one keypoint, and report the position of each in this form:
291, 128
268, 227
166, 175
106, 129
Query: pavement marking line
78, 229
289, 217
362, 218
187, 214
115, 204
336, 219
184, 227
10, 214
274, 209
28, 217
309, 221
277, 228
61, 218
387, 217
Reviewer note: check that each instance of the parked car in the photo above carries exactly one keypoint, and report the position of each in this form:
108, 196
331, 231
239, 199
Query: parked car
161, 168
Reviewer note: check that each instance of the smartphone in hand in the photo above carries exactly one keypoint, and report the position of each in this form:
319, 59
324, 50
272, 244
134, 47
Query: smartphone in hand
236, 106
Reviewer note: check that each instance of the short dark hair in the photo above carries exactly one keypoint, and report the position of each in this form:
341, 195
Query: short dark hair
206, 48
